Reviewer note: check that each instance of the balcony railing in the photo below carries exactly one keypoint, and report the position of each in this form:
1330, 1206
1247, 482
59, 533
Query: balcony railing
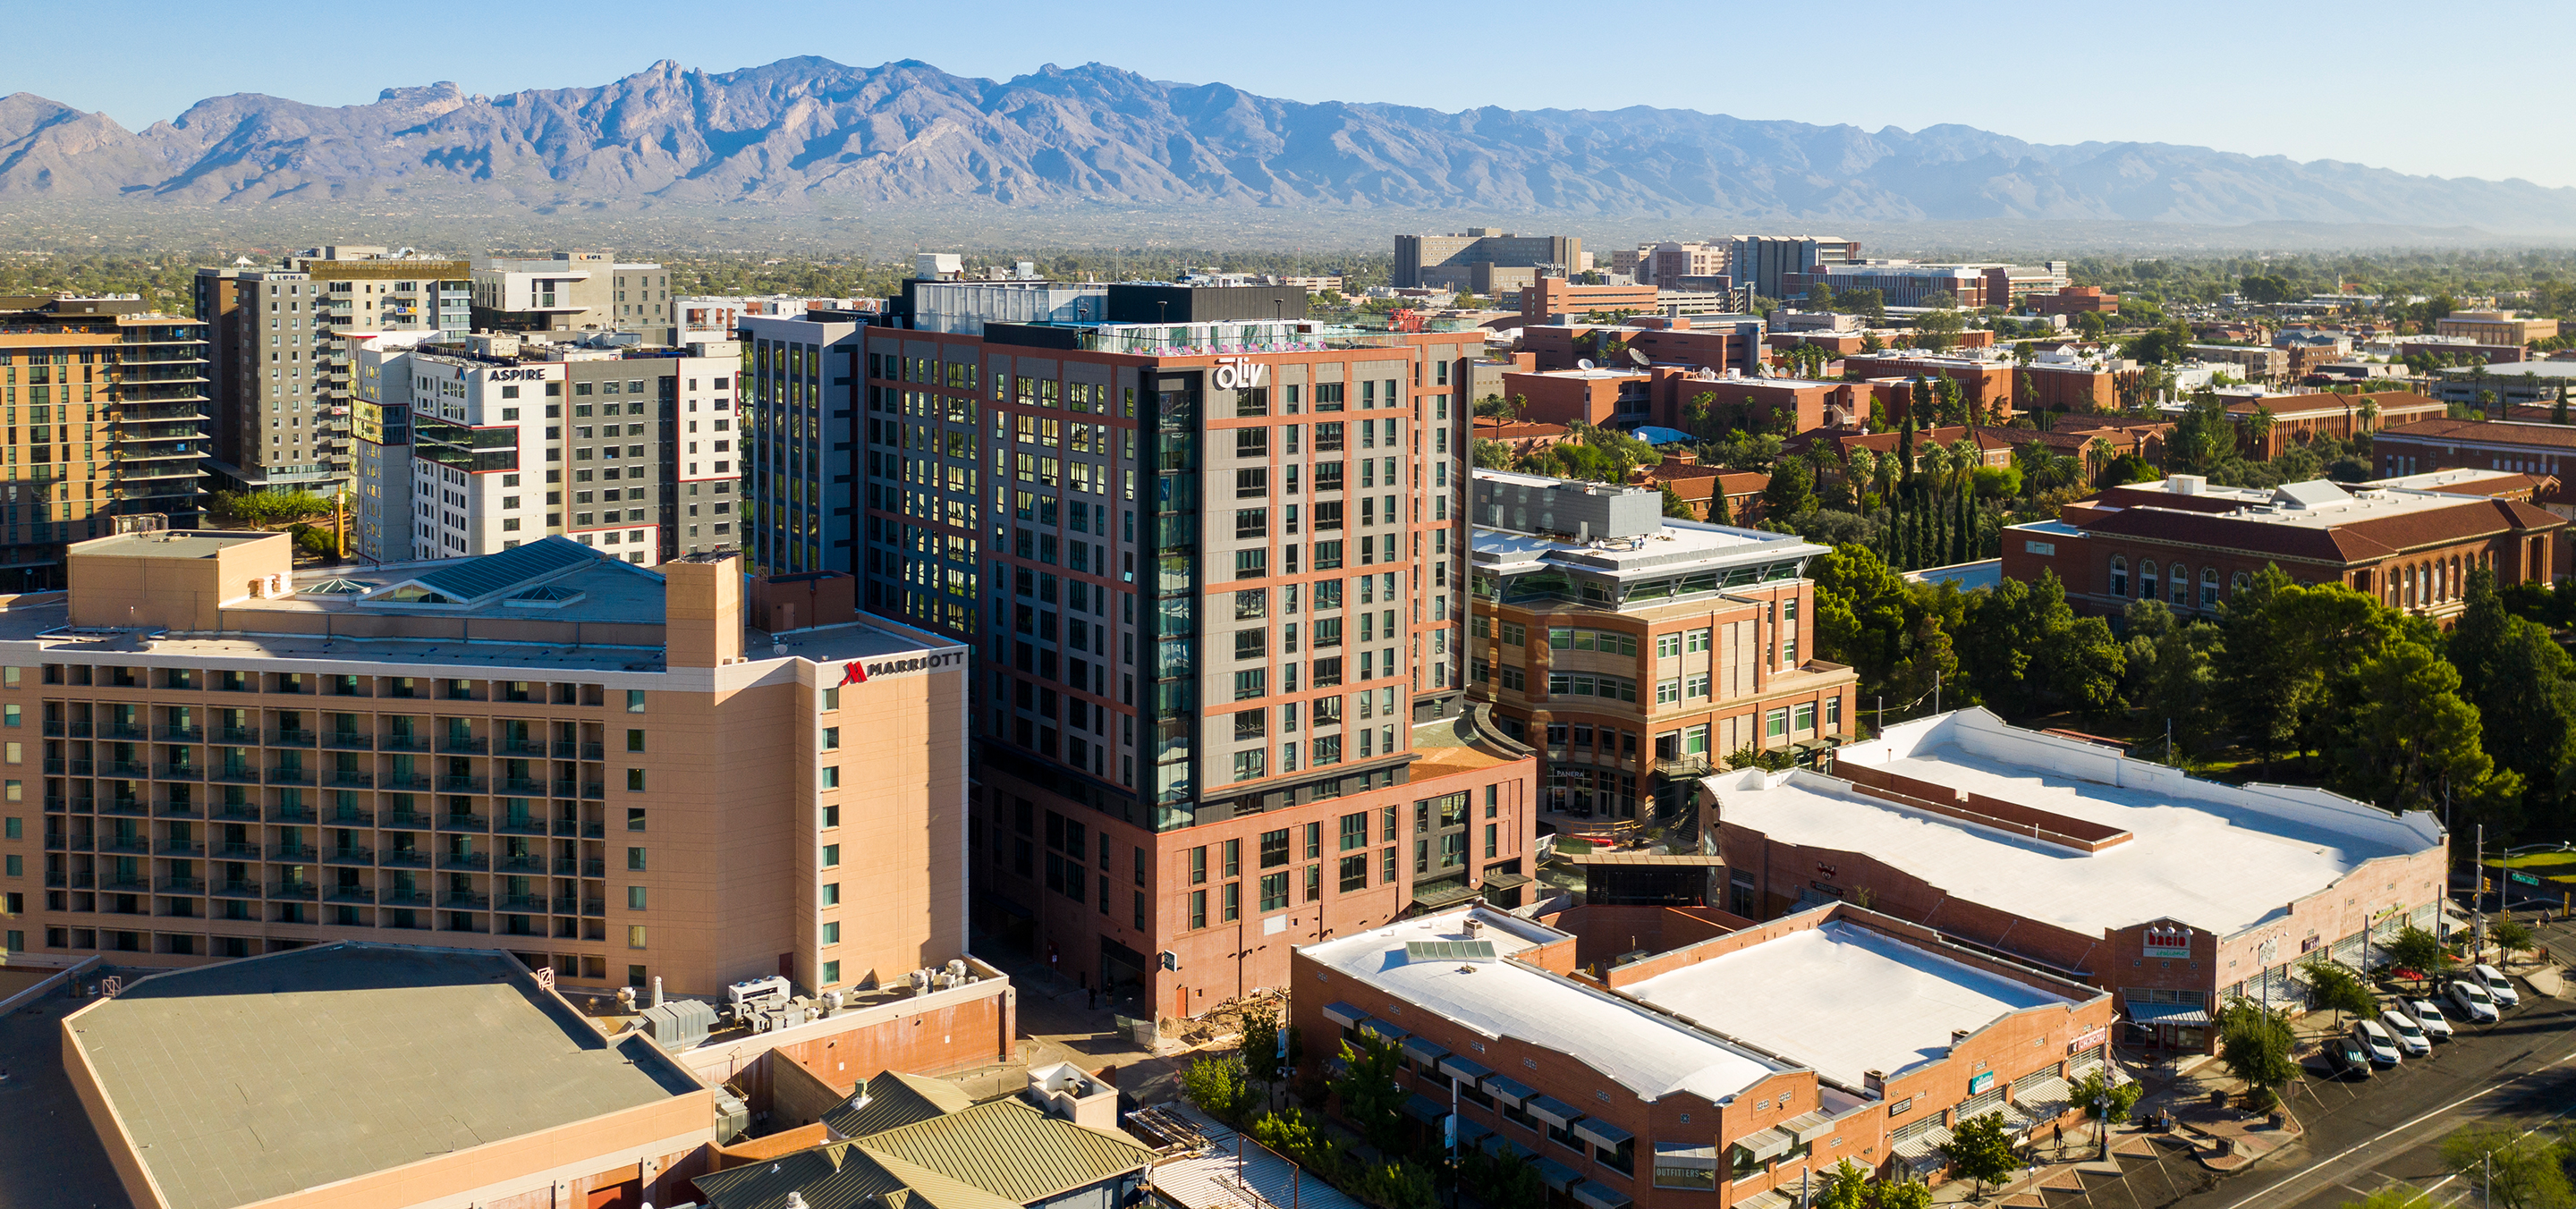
456, 745
350, 855
403, 858
481, 861
349, 740
303, 891
294, 737
461, 821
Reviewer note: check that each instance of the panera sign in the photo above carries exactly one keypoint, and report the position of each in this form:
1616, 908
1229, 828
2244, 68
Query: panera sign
860, 671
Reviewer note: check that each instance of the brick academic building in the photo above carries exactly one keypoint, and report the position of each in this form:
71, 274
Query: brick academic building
2195, 545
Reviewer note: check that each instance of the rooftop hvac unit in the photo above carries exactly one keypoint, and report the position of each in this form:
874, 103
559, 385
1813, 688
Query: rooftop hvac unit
680, 1023
732, 1116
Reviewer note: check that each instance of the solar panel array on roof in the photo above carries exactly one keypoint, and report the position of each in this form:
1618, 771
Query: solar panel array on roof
476, 578
1448, 950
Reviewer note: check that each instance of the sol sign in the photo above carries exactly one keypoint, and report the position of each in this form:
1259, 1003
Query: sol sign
1241, 373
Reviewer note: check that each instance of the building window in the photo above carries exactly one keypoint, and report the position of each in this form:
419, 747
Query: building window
2119, 576
635, 936
1198, 909
635, 898
831, 855
1233, 898
635, 859
1354, 872
831, 932
831, 973
1274, 892
1775, 724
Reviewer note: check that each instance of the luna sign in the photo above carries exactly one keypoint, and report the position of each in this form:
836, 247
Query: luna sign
1241, 373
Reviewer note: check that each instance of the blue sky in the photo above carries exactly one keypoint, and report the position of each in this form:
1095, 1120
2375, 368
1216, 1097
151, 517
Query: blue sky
2449, 92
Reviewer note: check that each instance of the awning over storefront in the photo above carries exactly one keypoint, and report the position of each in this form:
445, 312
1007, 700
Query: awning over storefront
1425, 1109
1442, 894
1768, 1144
1423, 1052
1462, 1070
1691, 1155
1383, 1031
2190, 1015
1551, 1110
1509, 1090
1343, 1014
1921, 1145
1599, 1195
1601, 1133
1499, 1146
1506, 881
1558, 1175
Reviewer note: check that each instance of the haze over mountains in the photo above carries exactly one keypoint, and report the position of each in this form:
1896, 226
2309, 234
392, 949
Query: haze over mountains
906, 138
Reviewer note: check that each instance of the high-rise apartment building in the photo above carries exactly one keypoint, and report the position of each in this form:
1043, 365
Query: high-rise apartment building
596, 766
1636, 651
104, 408
573, 291
475, 447
280, 340
1211, 557
1483, 260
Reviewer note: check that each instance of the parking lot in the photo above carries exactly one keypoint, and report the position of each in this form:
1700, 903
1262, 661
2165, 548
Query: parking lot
2365, 1134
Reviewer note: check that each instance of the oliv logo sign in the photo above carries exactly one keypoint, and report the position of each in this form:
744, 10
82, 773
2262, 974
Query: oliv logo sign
1241, 373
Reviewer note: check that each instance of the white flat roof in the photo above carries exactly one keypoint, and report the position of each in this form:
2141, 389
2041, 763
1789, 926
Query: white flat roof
2215, 857
1645, 1052
1842, 999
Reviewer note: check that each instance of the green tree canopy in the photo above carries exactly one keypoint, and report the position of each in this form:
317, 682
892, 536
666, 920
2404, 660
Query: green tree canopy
1981, 1150
2255, 1044
2025, 648
2514, 1169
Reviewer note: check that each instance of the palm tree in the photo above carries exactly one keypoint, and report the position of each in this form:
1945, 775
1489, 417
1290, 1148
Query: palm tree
1862, 466
2098, 455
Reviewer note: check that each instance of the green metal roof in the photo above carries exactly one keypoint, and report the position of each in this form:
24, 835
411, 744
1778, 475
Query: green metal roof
1013, 1149
997, 1155
893, 1101
491, 574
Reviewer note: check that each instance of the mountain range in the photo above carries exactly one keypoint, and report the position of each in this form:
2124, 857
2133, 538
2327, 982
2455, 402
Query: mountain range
813, 135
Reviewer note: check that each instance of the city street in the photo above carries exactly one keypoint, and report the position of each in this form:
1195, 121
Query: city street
2363, 1136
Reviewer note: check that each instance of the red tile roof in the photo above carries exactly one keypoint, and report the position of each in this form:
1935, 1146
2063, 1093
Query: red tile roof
2364, 540
2489, 432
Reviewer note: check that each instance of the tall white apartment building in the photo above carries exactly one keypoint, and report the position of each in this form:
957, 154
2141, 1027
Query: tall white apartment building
573, 291
480, 447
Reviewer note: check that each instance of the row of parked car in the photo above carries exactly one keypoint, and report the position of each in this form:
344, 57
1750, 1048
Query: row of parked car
2479, 994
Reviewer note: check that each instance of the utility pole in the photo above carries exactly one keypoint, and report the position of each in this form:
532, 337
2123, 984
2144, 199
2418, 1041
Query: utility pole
1936, 694
2478, 899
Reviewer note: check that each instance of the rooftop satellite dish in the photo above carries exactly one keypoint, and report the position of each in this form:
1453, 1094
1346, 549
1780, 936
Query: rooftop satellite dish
1585, 363
1639, 356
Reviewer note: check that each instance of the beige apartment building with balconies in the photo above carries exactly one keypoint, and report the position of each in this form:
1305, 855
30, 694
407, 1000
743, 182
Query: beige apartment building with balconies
598, 767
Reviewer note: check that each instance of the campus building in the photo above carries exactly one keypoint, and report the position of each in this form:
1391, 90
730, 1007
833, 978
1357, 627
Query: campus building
281, 341
1211, 558
1637, 651
2446, 444
485, 444
1482, 260
2195, 544
2300, 419
607, 770
105, 401
2176, 894
1740, 1064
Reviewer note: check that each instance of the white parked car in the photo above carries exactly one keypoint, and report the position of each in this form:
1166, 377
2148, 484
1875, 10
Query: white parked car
2409, 1035
2498, 986
2429, 1018
2375, 1042
2473, 999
